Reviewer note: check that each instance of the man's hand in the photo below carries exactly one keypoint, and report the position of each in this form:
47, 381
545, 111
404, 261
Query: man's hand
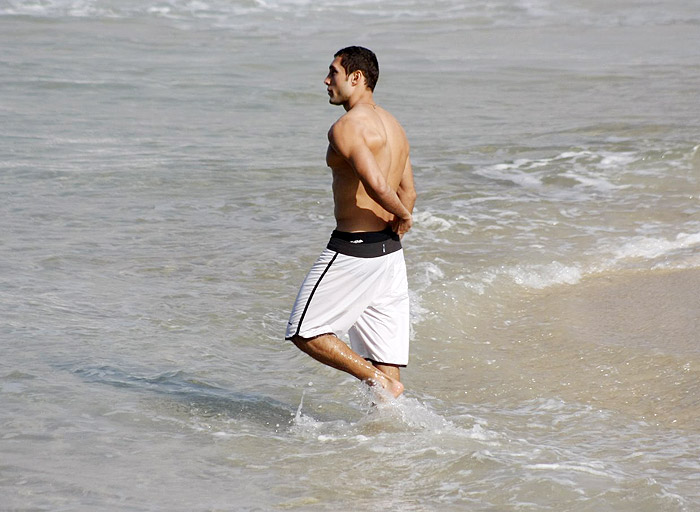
401, 226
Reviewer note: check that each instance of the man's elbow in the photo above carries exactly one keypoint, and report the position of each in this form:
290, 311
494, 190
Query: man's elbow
381, 189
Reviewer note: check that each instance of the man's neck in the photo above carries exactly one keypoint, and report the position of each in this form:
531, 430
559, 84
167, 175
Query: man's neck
364, 98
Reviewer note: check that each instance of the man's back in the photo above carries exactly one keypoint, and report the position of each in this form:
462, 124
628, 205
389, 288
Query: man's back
374, 132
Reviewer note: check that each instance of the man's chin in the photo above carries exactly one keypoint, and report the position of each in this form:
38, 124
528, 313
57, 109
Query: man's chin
335, 100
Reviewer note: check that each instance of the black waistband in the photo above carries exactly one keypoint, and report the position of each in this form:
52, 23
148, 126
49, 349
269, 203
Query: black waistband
370, 244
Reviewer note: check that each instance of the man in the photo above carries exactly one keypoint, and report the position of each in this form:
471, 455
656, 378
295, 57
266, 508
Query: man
358, 285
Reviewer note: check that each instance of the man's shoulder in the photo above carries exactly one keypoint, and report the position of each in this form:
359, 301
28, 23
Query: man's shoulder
347, 125
352, 117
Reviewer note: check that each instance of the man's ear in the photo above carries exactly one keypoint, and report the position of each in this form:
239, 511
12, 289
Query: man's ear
357, 77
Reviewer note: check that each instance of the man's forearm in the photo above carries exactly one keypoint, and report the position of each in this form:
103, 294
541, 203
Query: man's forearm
391, 202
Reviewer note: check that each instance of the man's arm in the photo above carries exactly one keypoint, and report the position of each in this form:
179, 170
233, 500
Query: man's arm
406, 194
348, 140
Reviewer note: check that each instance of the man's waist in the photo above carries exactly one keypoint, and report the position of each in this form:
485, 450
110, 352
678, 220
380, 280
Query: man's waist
365, 244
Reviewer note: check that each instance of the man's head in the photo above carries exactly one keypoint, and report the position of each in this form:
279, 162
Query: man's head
357, 58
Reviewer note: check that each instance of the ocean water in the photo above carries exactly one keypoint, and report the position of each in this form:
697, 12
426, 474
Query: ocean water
163, 193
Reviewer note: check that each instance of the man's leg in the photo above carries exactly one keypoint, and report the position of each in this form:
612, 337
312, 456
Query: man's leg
331, 351
391, 370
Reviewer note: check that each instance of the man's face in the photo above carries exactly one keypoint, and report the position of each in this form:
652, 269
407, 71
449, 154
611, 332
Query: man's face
338, 83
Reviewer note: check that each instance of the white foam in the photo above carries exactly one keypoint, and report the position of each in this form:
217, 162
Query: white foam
616, 160
431, 221
543, 276
514, 173
589, 169
388, 415
679, 252
427, 272
592, 468
535, 276
590, 181
654, 247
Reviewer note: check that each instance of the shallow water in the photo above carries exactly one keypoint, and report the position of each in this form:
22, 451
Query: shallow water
164, 192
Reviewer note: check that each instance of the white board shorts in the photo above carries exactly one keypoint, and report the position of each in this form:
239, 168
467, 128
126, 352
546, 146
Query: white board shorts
364, 297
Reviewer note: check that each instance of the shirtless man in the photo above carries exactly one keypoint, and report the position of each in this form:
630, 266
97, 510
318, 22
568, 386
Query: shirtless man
358, 285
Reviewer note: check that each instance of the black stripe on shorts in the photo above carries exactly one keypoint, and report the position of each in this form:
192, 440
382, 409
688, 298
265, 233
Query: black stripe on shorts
311, 295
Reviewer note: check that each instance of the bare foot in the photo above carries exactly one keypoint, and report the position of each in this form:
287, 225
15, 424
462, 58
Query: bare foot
394, 387
389, 385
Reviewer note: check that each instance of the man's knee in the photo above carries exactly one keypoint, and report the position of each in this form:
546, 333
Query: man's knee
304, 344
309, 345
300, 342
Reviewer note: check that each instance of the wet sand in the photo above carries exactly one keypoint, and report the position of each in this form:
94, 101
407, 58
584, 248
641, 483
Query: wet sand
658, 311
632, 341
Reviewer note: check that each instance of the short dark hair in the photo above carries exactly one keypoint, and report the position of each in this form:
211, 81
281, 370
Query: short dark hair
357, 58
